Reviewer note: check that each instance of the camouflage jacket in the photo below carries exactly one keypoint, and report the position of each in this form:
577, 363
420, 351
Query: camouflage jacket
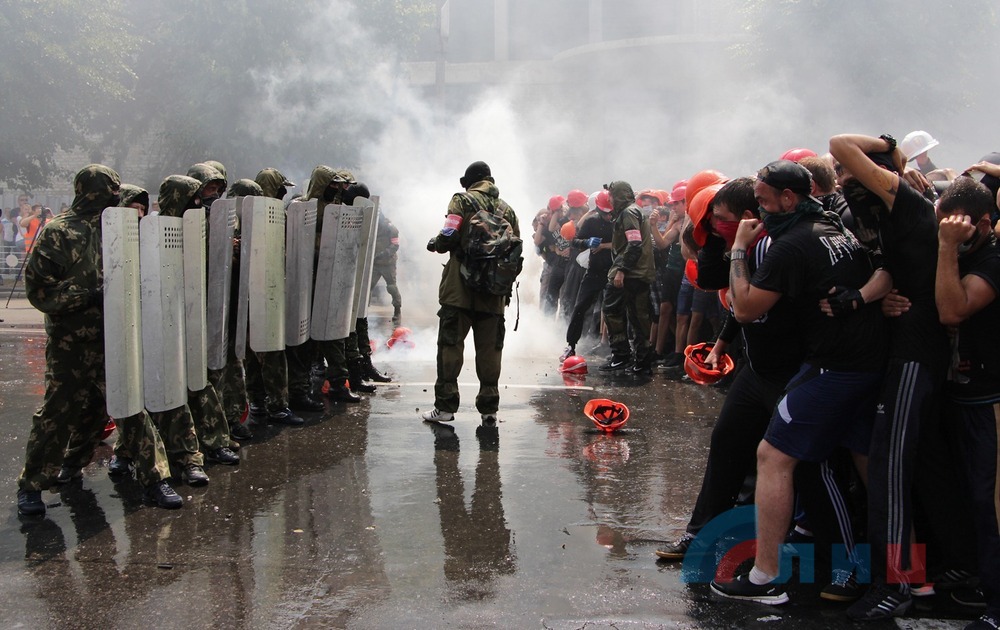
64, 275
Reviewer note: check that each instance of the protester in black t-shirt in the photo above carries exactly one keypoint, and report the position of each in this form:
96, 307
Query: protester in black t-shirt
826, 402
968, 282
908, 405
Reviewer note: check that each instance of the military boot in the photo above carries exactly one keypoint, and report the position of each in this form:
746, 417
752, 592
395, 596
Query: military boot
397, 318
338, 392
369, 372
355, 371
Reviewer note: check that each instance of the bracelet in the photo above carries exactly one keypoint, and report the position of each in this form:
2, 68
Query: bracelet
738, 254
890, 141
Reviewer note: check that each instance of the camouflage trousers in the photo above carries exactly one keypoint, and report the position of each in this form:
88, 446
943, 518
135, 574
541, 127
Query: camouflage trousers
628, 307
267, 379
176, 427
388, 271
67, 427
230, 385
488, 334
209, 418
358, 344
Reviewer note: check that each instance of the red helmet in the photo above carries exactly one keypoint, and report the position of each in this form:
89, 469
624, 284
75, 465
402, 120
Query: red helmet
576, 199
603, 201
679, 183
109, 428
794, 155
572, 381
694, 364
607, 415
568, 230
678, 193
574, 364
698, 210
691, 272
556, 202
401, 337
702, 179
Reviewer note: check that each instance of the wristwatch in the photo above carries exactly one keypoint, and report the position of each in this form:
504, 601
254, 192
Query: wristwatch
889, 140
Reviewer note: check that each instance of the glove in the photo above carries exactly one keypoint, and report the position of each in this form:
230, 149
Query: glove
845, 301
593, 242
432, 245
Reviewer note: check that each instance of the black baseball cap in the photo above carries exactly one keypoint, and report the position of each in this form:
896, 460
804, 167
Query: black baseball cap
782, 174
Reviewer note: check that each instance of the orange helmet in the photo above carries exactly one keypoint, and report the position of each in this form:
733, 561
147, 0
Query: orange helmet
794, 155
400, 336
568, 230
694, 364
574, 364
698, 210
607, 415
702, 179
691, 272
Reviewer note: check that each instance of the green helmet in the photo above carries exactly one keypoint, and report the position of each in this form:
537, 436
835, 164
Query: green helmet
322, 176
271, 181
217, 165
205, 173
133, 194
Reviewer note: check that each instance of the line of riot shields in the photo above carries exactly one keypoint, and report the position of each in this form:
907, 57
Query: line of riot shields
168, 289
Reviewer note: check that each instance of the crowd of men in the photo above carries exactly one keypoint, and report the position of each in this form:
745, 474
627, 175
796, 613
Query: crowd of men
64, 278
861, 291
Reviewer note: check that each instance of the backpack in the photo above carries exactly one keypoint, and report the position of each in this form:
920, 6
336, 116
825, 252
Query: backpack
491, 253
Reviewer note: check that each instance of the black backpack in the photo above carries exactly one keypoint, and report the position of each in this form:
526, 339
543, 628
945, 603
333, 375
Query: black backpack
491, 252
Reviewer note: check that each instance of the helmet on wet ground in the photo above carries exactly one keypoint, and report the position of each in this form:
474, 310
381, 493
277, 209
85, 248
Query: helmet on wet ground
401, 337
574, 364
607, 415
694, 364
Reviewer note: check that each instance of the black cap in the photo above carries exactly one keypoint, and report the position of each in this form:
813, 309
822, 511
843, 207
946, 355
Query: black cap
783, 174
354, 191
477, 172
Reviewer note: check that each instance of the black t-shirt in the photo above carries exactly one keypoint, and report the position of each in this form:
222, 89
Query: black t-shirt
595, 225
977, 380
773, 345
908, 236
803, 264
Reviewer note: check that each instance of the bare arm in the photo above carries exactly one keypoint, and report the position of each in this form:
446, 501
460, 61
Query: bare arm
957, 298
850, 150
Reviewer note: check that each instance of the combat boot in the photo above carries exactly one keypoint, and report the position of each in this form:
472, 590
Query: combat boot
338, 392
369, 372
396, 317
355, 373
305, 402
29, 503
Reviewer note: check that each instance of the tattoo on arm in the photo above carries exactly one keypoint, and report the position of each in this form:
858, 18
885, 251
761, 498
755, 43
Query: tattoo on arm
887, 180
738, 268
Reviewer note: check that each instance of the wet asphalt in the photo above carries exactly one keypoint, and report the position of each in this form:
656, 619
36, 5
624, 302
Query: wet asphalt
367, 517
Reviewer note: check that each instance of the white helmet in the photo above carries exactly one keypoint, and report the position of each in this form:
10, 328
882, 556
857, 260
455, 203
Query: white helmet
917, 143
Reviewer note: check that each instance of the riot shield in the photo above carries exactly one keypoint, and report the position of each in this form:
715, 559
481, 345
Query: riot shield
244, 217
300, 232
195, 325
366, 257
161, 270
267, 276
122, 321
336, 273
222, 227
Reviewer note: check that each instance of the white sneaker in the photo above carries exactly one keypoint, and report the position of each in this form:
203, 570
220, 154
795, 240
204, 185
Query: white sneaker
434, 415
489, 419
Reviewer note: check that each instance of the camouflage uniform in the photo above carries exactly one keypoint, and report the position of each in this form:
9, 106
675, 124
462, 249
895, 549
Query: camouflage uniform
133, 194
462, 309
178, 426
632, 252
63, 279
267, 372
384, 265
300, 358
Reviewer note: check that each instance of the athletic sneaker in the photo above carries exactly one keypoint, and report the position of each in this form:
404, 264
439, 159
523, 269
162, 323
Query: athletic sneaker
986, 622
742, 588
971, 597
567, 353
615, 364
843, 588
435, 415
880, 602
956, 578
677, 549
922, 590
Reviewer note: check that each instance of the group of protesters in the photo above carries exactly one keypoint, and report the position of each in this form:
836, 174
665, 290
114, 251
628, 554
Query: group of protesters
859, 291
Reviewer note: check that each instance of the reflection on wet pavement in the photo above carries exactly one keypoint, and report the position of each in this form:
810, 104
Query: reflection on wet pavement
367, 517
